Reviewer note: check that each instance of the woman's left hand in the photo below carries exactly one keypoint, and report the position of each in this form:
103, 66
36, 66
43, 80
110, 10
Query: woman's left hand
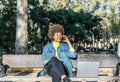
65, 39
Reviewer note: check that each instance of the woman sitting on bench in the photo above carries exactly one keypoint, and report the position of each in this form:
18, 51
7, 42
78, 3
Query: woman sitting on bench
56, 54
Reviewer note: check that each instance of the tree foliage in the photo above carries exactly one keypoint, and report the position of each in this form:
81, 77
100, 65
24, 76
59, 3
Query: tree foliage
7, 25
79, 25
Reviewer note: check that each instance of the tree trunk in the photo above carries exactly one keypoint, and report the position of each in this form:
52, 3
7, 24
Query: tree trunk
119, 44
21, 29
93, 41
97, 47
118, 52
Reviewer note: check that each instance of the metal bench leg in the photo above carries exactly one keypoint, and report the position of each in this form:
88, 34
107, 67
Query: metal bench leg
117, 70
4, 69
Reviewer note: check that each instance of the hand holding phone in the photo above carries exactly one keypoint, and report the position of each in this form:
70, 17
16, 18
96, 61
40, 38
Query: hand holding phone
65, 39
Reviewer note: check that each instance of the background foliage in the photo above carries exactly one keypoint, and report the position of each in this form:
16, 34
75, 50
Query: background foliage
83, 20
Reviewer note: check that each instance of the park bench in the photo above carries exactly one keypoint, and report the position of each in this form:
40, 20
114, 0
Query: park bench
34, 61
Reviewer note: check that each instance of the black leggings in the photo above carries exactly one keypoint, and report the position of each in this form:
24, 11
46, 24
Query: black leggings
56, 69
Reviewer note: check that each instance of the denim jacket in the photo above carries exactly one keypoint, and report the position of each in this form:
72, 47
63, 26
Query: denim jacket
64, 54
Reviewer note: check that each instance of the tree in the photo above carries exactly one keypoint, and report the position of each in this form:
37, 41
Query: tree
119, 44
21, 29
43, 13
119, 34
7, 25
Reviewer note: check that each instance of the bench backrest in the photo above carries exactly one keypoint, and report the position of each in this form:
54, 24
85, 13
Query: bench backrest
105, 60
23, 60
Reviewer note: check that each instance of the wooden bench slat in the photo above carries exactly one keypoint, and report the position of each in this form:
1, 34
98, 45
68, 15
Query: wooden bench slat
23, 60
105, 60
48, 79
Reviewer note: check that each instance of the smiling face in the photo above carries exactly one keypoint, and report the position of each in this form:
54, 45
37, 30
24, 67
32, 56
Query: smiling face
57, 36
54, 29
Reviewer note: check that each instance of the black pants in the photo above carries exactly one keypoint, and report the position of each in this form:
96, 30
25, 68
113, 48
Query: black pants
55, 69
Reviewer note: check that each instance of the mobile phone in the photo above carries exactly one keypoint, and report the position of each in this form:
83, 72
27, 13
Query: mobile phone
63, 38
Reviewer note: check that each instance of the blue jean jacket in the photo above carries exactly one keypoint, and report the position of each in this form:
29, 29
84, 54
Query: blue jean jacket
64, 54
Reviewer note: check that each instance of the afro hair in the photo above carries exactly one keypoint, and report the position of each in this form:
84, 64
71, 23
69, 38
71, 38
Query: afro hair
55, 28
